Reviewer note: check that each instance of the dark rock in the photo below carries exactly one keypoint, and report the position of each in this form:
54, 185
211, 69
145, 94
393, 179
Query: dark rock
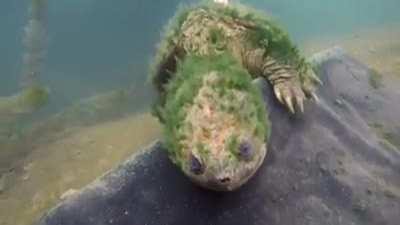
324, 139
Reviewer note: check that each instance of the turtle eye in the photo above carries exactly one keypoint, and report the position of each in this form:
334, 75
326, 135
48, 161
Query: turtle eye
195, 165
246, 151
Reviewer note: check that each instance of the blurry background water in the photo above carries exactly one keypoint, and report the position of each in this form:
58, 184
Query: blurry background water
97, 46
112, 42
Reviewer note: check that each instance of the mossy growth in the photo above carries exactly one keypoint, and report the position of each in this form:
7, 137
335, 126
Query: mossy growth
34, 97
375, 78
27, 101
203, 150
217, 38
183, 88
263, 32
169, 40
233, 143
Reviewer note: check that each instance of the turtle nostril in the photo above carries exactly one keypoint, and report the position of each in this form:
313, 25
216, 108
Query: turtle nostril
225, 180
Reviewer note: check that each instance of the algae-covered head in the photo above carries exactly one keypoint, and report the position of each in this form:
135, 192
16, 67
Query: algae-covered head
222, 146
216, 125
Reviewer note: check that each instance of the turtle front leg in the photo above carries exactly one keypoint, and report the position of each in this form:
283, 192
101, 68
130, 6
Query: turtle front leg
286, 81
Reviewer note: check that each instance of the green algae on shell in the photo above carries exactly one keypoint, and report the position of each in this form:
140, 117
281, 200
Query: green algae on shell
263, 31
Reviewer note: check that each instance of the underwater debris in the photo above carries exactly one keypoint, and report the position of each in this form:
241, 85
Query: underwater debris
375, 78
25, 102
35, 37
33, 96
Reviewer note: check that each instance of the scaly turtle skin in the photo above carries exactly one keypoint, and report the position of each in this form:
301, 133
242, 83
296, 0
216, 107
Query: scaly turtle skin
214, 119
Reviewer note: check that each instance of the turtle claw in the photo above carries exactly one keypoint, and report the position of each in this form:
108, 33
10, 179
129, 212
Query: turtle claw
290, 94
300, 104
278, 94
316, 79
319, 81
315, 97
289, 104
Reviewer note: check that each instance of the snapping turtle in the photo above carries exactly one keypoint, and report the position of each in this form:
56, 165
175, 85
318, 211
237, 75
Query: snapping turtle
215, 122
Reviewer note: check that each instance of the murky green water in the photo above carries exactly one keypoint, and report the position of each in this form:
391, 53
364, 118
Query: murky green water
92, 56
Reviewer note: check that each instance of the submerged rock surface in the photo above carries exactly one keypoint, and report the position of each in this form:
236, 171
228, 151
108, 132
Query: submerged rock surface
338, 163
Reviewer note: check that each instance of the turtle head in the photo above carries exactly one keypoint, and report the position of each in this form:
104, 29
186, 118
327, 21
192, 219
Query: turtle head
215, 123
223, 140
221, 170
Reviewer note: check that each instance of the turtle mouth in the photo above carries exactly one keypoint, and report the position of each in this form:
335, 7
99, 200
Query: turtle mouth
226, 183
223, 175
226, 180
